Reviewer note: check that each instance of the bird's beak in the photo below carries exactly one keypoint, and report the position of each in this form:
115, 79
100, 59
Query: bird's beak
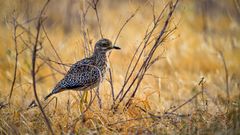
116, 47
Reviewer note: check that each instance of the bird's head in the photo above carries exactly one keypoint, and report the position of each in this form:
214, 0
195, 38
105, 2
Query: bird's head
104, 45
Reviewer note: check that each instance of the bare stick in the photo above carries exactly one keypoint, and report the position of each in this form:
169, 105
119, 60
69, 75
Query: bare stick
111, 84
145, 42
237, 5
94, 5
145, 66
86, 43
126, 22
55, 51
158, 41
109, 70
132, 119
52, 61
90, 102
226, 74
16, 57
148, 61
34, 53
201, 83
186, 102
99, 98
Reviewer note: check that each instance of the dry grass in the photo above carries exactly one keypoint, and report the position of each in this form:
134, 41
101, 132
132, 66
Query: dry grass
184, 92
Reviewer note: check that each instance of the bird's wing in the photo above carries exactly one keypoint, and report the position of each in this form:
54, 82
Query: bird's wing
81, 75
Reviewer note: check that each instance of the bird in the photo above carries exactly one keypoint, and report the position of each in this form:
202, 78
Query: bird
87, 73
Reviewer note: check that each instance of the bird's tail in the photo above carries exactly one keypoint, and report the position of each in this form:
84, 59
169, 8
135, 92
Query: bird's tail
54, 91
34, 104
49, 95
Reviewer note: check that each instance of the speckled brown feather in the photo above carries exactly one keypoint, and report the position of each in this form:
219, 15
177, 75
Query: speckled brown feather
86, 73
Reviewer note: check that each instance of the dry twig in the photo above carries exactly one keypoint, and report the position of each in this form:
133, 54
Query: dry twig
33, 72
136, 81
94, 5
226, 74
15, 26
145, 42
115, 41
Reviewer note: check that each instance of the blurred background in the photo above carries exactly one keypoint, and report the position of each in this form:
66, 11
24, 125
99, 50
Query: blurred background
205, 44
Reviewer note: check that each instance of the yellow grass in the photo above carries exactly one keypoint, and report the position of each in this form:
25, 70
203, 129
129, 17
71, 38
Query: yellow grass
189, 54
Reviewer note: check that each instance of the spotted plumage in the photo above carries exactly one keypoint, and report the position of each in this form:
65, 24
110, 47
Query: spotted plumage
86, 73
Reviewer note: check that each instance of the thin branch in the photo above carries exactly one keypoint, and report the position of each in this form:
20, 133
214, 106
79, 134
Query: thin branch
111, 84
15, 26
55, 62
126, 22
34, 53
94, 5
127, 78
201, 83
86, 43
146, 41
55, 51
157, 43
167, 112
53, 68
145, 66
55, 107
128, 120
99, 98
46, 60
44, 77
237, 6
110, 69
226, 74
186, 102
39, 67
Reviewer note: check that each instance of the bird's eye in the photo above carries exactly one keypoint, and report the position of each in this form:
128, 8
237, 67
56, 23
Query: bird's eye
105, 45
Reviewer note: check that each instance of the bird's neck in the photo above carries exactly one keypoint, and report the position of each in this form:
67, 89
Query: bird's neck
100, 57
101, 61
